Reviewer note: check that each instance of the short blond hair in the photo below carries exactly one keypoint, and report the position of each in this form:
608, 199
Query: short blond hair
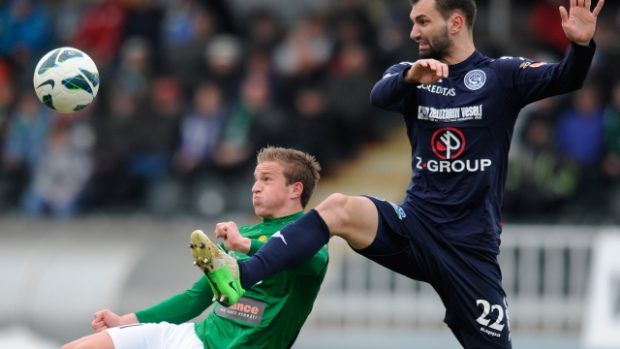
297, 167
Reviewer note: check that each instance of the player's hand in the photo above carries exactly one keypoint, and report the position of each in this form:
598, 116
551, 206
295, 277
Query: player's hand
105, 319
579, 23
426, 71
229, 232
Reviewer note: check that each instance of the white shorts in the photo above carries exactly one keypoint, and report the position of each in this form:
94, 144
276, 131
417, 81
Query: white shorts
161, 335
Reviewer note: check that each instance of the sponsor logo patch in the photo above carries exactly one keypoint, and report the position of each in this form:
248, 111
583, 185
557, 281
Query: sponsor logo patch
246, 310
448, 145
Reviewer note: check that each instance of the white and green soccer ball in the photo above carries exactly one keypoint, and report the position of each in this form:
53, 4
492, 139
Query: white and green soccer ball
66, 80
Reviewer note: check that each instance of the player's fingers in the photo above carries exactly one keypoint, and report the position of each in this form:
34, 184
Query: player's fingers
598, 8
101, 328
98, 316
444, 70
588, 4
563, 14
97, 324
573, 3
218, 231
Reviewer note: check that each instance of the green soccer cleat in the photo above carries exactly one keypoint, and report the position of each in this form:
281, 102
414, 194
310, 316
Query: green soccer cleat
221, 269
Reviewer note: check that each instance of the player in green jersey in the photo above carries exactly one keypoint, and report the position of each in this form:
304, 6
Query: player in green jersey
270, 315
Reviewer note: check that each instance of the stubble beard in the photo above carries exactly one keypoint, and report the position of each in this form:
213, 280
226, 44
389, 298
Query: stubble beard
439, 46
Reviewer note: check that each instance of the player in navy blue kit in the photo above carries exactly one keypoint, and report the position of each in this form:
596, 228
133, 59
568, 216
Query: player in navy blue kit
460, 108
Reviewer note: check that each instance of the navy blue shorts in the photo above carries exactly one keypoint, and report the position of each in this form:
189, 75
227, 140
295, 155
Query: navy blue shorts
468, 281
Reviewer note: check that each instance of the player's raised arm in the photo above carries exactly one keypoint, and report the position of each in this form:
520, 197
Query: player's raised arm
579, 22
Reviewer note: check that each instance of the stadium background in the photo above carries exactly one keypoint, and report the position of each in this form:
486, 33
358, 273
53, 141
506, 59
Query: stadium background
190, 89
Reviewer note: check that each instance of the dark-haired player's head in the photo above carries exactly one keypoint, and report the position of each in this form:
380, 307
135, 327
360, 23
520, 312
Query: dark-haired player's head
436, 23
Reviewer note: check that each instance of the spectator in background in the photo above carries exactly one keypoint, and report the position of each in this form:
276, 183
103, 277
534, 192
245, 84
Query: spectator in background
61, 176
99, 33
177, 23
135, 70
264, 30
223, 55
606, 70
28, 129
580, 140
144, 20
347, 85
9, 192
201, 130
186, 58
25, 33
305, 50
154, 135
580, 128
611, 161
312, 119
545, 25
29, 125
7, 98
255, 121
393, 35
114, 141
539, 180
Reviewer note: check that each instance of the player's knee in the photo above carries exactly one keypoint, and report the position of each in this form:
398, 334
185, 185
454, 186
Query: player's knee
335, 211
334, 203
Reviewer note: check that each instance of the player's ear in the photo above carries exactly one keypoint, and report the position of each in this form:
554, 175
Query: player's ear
297, 189
456, 23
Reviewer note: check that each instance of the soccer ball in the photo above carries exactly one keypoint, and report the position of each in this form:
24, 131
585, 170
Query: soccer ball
66, 80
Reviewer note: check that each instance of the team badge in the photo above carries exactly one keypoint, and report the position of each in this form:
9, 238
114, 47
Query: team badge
399, 211
475, 79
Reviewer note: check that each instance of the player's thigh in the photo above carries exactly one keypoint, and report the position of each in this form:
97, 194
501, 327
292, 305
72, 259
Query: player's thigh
155, 336
397, 244
353, 218
476, 305
99, 340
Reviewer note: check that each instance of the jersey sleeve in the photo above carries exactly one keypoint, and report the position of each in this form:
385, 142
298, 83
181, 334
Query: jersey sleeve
181, 307
531, 81
390, 93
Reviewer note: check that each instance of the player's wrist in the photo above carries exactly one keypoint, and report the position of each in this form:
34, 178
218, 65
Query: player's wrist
130, 318
584, 44
408, 76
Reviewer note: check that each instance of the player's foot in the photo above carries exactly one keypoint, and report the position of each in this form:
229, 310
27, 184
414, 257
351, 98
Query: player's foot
221, 269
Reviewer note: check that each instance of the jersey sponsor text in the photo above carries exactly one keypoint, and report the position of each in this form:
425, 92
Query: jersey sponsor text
470, 112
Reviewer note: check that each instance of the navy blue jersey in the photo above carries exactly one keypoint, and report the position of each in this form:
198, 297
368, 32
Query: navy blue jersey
460, 131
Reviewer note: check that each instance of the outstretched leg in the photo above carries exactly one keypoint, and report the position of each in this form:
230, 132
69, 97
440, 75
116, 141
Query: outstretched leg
353, 218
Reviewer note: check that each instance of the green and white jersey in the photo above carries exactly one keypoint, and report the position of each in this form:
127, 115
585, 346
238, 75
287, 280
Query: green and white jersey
269, 315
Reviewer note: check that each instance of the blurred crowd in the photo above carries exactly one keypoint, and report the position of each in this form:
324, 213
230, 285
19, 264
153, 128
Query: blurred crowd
190, 89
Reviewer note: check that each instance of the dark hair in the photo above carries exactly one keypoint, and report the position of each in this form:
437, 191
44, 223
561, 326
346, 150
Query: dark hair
297, 167
447, 7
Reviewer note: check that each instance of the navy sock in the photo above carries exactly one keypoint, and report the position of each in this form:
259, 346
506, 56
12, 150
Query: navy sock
294, 244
